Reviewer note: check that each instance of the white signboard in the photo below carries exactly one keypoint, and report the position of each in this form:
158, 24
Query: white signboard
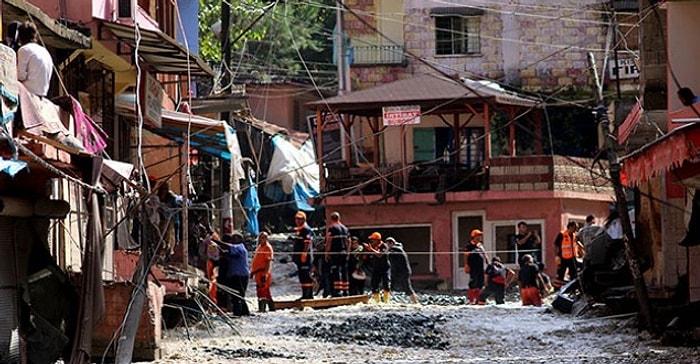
153, 104
401, 115
626, 68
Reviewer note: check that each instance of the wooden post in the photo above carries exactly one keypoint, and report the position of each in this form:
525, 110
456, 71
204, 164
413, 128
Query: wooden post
347, 141
319, 149
457, 138
376, 159
511, 132
487, 136
404, 170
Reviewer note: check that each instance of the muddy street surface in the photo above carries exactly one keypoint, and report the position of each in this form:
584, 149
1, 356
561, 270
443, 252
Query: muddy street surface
441, 329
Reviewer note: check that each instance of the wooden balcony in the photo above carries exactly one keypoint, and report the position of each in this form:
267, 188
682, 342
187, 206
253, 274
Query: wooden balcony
526, 173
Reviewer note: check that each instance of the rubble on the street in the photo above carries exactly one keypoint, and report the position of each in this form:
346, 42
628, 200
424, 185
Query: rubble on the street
407, 331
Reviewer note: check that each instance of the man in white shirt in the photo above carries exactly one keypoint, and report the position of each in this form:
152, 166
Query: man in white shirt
34, 62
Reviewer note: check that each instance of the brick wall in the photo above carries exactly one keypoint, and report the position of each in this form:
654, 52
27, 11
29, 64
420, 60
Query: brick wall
148, 336
542, 173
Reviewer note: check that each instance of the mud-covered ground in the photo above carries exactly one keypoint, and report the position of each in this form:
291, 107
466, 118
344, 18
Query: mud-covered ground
442, 329
427, 333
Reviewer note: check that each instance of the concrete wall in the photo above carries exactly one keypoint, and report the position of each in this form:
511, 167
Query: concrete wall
555, 209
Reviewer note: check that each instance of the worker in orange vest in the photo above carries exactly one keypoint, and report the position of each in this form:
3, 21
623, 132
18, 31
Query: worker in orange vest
566, 249
261, 272
474, 262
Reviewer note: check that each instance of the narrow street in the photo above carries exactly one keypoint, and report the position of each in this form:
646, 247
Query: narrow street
404, 333
441, 329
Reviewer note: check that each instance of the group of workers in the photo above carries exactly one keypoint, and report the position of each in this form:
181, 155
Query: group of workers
490, 279
342, 264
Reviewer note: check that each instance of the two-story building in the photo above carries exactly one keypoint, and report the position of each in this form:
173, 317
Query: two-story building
489, 148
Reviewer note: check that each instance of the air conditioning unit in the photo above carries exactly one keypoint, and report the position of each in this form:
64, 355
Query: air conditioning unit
125, 9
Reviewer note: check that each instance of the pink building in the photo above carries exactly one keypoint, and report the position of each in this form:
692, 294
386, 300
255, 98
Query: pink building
479, 156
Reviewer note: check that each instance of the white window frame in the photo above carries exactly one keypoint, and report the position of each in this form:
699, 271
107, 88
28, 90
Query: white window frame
490, 227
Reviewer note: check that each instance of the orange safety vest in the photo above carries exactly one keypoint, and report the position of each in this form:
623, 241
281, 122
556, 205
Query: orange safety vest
567, 244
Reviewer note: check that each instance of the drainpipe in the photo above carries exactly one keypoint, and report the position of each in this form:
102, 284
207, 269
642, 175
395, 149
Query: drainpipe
601, 112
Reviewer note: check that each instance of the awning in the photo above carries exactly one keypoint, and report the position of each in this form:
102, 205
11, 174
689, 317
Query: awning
53, 33
160, 51
206, 135
670, 151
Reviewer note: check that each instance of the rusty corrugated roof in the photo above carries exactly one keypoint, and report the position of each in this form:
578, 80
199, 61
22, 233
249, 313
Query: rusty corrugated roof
428, 91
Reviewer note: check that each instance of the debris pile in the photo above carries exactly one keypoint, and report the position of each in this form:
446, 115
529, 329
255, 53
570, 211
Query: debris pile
259, 353
407, 331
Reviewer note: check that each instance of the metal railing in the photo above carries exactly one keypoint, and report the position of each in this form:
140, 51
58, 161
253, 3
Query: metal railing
378, 55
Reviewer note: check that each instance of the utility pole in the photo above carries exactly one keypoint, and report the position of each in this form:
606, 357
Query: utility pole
601, 113
340, 40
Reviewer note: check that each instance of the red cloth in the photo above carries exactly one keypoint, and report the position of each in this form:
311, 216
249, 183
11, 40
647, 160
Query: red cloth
530, 296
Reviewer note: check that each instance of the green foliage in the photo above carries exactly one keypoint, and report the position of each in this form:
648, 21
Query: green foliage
270, 46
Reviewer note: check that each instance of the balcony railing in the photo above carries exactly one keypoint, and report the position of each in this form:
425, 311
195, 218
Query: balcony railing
378, 55
525, 173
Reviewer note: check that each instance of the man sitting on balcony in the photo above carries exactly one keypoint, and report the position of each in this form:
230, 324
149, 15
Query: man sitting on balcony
34, 62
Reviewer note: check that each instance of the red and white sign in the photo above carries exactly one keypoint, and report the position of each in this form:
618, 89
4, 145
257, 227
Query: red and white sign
151, 94
401, 115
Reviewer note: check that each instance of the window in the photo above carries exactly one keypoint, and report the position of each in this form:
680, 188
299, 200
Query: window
436, 144
457, 35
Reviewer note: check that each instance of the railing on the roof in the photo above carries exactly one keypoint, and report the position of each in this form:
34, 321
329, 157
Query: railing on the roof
523, 173
378, 55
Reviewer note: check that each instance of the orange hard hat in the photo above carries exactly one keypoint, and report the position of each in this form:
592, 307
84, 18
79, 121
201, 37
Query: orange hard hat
476, 232
300, 215
375, 236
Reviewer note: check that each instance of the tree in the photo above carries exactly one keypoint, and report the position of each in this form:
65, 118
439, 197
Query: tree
288, 33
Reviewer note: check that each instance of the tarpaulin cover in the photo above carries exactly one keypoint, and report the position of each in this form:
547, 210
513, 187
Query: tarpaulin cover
295, 170
251, 203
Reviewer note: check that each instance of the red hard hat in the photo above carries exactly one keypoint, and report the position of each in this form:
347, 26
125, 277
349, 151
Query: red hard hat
476, 232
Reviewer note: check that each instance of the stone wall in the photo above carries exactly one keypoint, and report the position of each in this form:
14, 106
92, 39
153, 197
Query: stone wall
539, 46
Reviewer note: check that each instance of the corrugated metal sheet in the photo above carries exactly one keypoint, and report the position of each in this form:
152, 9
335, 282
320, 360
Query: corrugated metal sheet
9, 318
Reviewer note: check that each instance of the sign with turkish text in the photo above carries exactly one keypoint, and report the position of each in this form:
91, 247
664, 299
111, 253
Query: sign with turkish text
625, 68
401, 115
152, 101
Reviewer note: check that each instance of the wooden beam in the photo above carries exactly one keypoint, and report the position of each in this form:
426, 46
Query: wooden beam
487, 134
456, 139
376, 158
319, 149
511, 132
347, 141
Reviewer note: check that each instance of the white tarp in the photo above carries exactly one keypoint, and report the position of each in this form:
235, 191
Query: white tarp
294, 166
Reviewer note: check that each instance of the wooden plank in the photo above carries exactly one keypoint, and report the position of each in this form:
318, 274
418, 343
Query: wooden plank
322, 302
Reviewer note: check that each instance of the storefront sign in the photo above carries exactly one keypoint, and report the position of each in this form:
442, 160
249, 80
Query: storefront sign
401, 115
151, 100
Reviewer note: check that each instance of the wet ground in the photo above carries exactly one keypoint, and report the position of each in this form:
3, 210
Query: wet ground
441, 329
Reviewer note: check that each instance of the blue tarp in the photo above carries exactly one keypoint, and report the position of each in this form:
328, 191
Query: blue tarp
251, 203
11, 167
